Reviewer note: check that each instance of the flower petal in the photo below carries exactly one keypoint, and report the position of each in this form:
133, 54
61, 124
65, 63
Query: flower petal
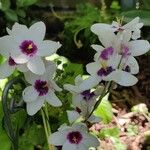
22, 68
30, 94
34, 106
98, 48
89, 83
48, 48
90, 141
69, 146
53, 100
133, 64
93, 67
6, 70
36, 65
123, 78
55, 86
20, 58
139, 47
72, 116
57, 139
37, 31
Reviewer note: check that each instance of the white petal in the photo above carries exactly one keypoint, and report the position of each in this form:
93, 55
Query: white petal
71, 88
53, 100
131, 24
22, 68
5, 46
36, 65
136, 34
89, 83
76, 100
30, 94
90, 141
55, 86
123, 78
35, 106
98, 27
57, 139
69, 146
78, 80
50, 69
98, 48
133, 64
72, 116
30, 77
139, 47
126, 36
93, 67
48, 48
94, 119
20, 59
37, 31
6, 70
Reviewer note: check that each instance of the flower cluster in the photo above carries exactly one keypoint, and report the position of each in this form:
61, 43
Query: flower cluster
114, 62
24, 49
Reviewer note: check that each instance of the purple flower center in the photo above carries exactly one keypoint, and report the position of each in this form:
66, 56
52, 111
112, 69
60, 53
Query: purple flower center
106, 53
87, 95
28, 47
74, 137
125, 51
41, 87
11, 62
105, 71
127, 69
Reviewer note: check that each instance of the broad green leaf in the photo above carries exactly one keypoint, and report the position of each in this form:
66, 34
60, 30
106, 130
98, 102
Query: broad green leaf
24, 3
109, 132
5, 5
143, 14
11, 15
104, 110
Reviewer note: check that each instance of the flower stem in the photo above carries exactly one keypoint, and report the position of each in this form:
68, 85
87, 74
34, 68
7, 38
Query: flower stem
46, 125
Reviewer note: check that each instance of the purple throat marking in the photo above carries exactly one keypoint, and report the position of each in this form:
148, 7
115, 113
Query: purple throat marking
105, 71
106, 53
87, 95
74, 137
41, 87
11, 62
28, 48
127, 69
125, 51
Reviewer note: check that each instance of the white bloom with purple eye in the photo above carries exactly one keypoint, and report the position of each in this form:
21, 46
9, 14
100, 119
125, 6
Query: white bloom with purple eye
27, 46
74, 138
83, 101
42, 89
106, 67
133, 27
8, 67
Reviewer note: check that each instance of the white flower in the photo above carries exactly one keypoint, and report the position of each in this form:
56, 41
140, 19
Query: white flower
83, 101
133, 26
74, 138
27, 46
41, 90
8, 67
107, 68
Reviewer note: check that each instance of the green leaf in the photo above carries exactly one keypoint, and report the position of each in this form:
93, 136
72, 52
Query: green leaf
104, 110
21, 13
5, 5
25, 3
109, 132
11, 15
146, 4
143, 14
